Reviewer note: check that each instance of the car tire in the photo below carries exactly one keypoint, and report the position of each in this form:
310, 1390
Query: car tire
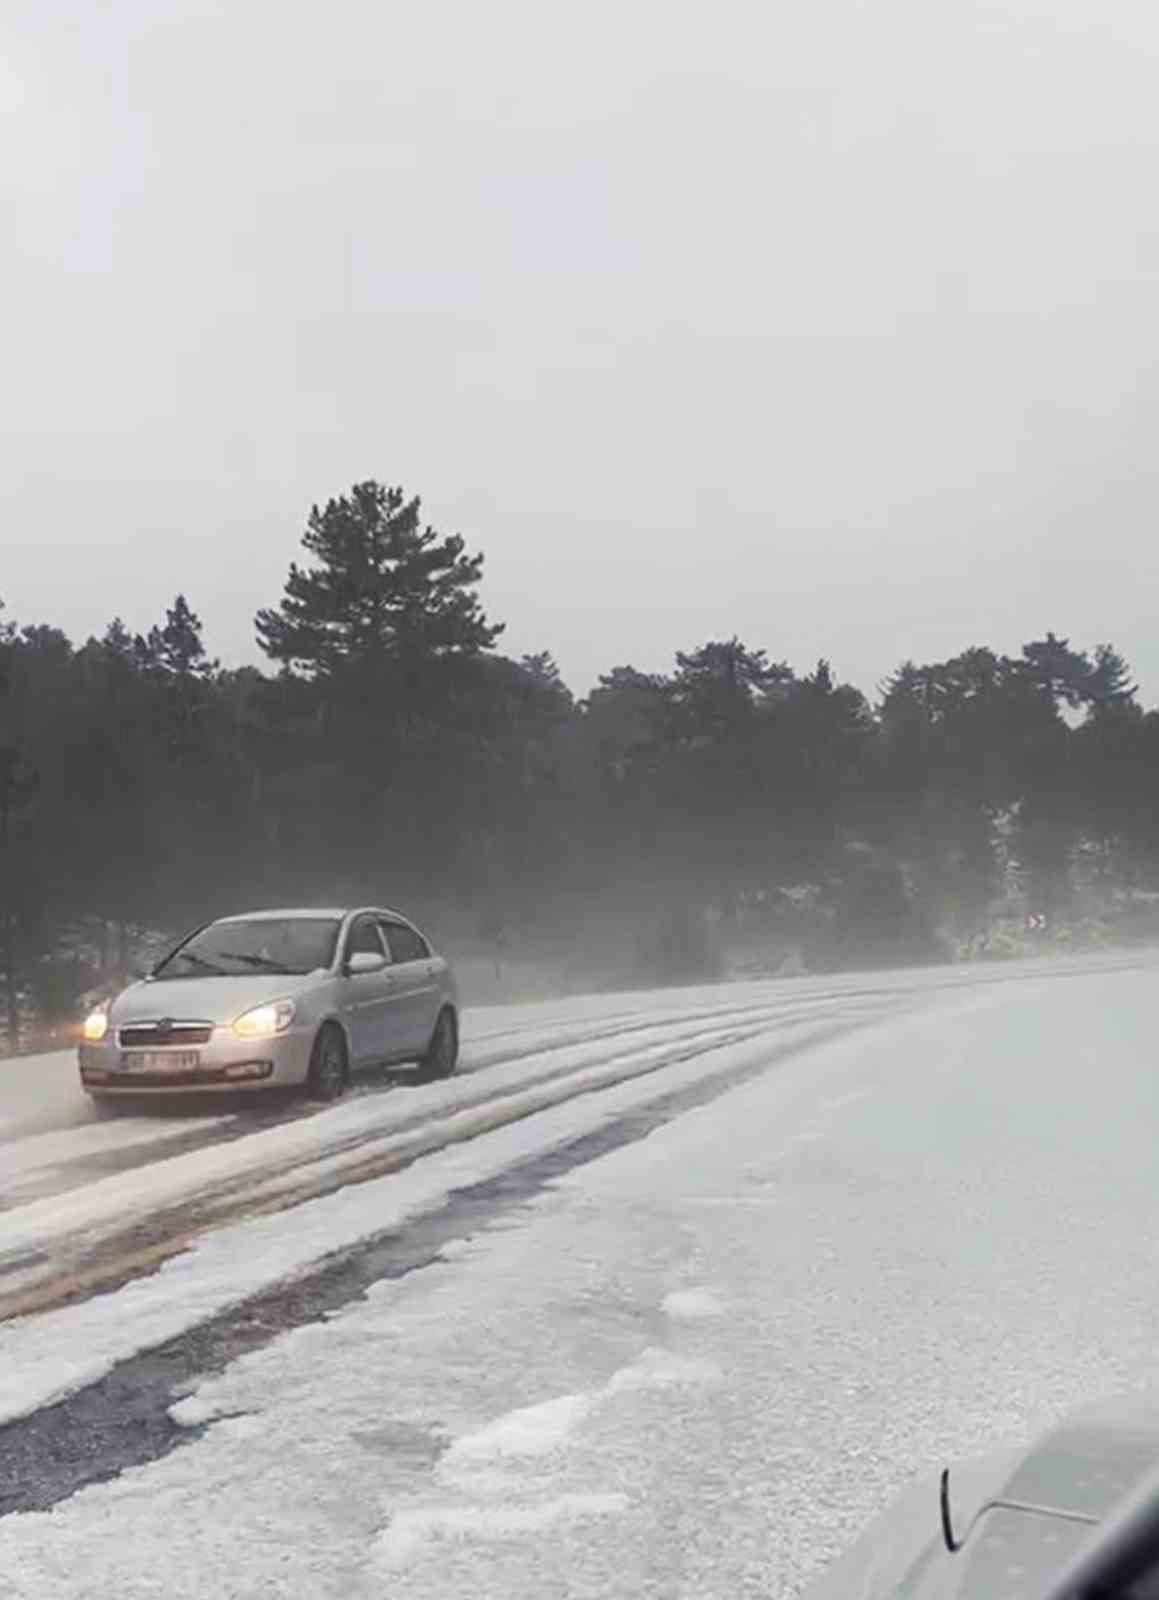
329, 1072
442, 1054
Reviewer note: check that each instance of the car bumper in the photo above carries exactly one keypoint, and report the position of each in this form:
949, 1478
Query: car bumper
224, 1064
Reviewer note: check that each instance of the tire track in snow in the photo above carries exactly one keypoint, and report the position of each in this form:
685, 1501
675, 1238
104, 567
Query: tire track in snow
126, 1417
44, 1163
95, 1245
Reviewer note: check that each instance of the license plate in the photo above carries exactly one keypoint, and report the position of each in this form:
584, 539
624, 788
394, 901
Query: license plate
159, 1060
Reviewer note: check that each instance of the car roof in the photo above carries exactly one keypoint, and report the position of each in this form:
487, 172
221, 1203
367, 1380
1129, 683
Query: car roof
280, 915
304, 912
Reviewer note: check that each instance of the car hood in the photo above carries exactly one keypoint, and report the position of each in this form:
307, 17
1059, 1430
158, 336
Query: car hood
1023, 1511
205, 999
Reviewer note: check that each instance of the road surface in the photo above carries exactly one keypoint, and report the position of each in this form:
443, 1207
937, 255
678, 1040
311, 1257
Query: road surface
665, 1295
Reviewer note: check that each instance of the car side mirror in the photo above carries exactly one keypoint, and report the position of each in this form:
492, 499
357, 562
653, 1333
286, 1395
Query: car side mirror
363, 961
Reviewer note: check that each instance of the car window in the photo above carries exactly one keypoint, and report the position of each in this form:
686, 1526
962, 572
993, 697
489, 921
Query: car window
405, 944
245, 945
364, 939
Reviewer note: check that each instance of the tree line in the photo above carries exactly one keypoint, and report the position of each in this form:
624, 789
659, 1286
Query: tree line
391, 752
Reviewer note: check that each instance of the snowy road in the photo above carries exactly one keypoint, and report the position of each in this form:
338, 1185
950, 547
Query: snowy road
91, 1203
664, 1295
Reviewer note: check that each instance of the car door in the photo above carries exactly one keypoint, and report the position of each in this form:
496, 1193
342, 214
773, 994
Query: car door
418, 988
370, 999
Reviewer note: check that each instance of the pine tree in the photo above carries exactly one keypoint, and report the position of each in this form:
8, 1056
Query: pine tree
1109, 681
117, 641
717, 688
175, 650
384, 592
1062, 672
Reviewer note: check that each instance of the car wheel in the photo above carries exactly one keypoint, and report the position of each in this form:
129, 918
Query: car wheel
329, 1066
443, 1051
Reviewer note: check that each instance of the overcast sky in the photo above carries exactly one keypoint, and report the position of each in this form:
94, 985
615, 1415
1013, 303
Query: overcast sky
831, 323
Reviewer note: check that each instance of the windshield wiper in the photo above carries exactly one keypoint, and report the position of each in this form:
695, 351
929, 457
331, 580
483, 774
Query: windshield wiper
266, 963
197, 961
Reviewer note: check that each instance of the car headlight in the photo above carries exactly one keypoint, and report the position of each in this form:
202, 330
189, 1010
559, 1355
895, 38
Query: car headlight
263, 1021
96, 1025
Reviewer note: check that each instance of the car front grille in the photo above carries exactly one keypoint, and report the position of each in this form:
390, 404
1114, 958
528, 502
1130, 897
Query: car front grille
148, 1035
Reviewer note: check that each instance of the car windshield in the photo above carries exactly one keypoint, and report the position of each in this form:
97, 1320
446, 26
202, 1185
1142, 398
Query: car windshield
257, 944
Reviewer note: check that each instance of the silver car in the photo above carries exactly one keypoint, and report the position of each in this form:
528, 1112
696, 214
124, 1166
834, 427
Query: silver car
275, 999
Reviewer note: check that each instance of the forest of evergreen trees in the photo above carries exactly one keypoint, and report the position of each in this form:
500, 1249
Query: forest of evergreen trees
391, 752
